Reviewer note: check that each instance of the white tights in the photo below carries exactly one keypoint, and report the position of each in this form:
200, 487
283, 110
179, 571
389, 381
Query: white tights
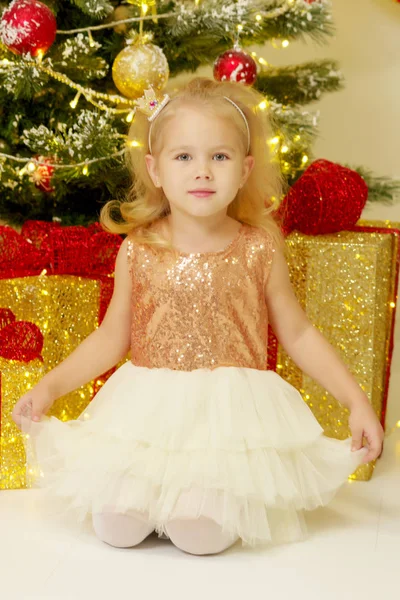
198, 536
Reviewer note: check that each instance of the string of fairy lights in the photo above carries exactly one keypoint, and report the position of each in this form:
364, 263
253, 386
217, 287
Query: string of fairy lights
120, 105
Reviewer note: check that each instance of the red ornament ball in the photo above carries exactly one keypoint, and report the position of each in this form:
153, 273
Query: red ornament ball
28, 26
43, 173
235, 65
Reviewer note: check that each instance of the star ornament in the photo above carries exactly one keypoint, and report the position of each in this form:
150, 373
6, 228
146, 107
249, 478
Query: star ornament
150, 104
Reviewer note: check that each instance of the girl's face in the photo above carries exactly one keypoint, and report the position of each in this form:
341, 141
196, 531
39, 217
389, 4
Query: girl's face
200, 151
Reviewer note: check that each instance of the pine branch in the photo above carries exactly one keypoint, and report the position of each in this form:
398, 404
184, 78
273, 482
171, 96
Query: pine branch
380, 189
76, 57
301, 21
92, 135
291, 121
186, 39
21, 79
300, 84
97, 9
222, 17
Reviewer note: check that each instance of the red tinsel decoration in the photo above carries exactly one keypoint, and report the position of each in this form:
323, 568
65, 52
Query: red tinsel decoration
77, 250
327, 198
28, 26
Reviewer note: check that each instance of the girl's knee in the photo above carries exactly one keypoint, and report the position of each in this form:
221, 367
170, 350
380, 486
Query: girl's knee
200, 536
121, 530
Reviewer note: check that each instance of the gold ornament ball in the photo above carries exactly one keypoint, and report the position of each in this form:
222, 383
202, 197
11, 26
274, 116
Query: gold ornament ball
137, 67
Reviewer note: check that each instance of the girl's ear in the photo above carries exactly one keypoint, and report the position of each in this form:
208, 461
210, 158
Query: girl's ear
248, 165
152, 169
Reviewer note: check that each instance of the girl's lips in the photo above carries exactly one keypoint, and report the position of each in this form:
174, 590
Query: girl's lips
201, 194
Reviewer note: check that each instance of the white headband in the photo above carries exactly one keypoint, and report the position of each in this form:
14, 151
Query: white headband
152, 107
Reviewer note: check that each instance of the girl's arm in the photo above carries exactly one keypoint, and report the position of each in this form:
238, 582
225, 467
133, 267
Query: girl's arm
303, 342
103, 348
318, 359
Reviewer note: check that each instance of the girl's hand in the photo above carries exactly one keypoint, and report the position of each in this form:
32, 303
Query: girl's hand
32, 405
364, 423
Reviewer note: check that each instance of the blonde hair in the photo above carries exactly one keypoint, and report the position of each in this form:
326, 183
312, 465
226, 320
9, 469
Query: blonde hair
253, 203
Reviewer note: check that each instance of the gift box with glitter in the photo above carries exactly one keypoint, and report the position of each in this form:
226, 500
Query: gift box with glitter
347, 285
55, 285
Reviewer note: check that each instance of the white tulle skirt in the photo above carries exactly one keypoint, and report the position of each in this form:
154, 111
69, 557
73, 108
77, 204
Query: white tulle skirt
237, 445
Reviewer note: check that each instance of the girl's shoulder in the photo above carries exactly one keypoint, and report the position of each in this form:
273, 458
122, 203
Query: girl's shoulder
138, 232
259, 236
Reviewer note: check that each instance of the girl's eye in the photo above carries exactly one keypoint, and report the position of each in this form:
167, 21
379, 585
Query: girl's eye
218, 154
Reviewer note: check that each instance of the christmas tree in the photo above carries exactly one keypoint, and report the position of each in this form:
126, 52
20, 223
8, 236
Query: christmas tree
71, 72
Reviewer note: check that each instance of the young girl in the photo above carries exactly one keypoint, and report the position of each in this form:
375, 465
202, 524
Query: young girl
194, 437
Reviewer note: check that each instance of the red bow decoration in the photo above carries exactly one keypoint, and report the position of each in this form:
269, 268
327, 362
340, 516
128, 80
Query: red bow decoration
19, 340
327, 198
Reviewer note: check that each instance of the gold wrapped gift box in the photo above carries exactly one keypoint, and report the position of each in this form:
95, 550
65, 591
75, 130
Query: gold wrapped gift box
347, 285
65, 308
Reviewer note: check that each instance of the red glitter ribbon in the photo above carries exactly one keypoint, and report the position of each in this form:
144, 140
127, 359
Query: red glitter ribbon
327, 198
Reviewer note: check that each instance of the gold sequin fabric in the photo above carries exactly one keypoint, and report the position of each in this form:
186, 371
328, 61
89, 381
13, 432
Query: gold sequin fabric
203, 310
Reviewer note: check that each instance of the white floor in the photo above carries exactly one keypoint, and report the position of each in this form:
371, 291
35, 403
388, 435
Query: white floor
353, 552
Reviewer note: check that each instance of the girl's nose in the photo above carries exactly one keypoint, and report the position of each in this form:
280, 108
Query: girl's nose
204, 171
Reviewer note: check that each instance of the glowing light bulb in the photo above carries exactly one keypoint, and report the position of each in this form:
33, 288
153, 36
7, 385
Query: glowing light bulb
129, 117
74, 102
85, 170
92, 43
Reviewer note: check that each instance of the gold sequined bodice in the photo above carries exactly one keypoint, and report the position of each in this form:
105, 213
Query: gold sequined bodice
193, 311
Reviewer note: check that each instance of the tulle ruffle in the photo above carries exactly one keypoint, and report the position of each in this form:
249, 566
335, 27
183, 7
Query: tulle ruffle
237, 445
